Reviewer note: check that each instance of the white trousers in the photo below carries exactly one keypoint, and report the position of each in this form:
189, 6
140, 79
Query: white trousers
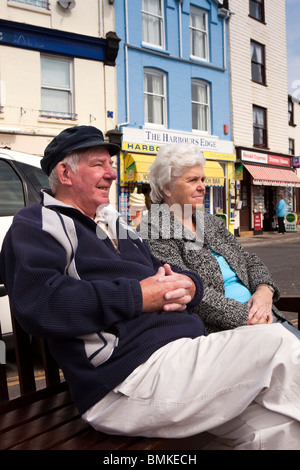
240, 384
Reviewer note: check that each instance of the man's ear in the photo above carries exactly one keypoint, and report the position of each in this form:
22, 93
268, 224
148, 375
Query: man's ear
63, 172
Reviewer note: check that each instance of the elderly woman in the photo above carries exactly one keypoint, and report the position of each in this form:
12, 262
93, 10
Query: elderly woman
239, 289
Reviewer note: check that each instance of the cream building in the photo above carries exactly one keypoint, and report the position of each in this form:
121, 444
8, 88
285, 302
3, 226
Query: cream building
57, 69
259, 94
294, 140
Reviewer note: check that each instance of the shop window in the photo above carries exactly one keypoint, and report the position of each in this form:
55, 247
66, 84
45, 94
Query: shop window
200, 106
155, 97
199, 33
153, 22
260, 138
258, 62
56, 88
257, 10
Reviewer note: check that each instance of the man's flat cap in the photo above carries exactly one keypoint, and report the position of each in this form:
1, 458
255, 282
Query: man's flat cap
74, 138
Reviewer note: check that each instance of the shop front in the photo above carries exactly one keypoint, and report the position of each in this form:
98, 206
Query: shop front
261, 178
139, 149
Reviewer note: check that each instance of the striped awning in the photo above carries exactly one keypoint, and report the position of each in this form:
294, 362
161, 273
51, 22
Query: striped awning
266, 176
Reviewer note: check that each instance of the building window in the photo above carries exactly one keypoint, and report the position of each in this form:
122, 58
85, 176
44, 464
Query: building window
291, 111
258, 62
257, 10
155, 97
199, 33
291, 147
56, 88
153, 22
35, 3
200, 106
260, 127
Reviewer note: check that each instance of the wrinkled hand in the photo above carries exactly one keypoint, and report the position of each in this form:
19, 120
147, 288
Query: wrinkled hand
260, 307
167, 291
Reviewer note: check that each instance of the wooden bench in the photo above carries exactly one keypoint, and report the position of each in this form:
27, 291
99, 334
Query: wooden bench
47, 419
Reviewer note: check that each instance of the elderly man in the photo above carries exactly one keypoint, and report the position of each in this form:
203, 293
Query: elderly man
137, 360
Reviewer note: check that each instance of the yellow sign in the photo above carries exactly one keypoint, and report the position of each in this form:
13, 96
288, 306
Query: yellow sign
132, 147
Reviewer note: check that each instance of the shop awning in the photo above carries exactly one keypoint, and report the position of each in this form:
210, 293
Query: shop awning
267, 176
137, 167
214, 174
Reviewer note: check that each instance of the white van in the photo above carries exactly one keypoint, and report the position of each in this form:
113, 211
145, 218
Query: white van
21, 179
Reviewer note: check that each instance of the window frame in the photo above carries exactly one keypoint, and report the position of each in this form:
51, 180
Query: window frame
161, 19
70, 90
262, 66
199, 82
291, 112
292, 147
161, 74
43, 4
204, 32
263, 128
260, 4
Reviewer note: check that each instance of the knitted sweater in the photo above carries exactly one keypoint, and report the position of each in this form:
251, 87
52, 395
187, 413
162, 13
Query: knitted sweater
173, 243
74, 288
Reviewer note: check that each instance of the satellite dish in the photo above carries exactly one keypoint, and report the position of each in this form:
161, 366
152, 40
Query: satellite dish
67, 5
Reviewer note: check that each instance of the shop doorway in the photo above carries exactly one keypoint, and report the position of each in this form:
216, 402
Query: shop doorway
269, 196
245, 212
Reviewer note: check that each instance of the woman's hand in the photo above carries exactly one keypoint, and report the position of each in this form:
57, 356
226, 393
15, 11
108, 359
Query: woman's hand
260, 307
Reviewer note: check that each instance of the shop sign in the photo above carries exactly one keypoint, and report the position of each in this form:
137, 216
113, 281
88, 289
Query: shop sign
256, 157
214, 181
239, 173
291, 222
257, 221
296, 162
133, 147
157, 137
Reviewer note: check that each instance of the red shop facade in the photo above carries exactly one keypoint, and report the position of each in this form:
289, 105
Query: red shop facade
260, 178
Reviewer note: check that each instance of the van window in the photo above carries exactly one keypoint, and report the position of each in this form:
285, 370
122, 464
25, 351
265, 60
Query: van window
37, 176
11, 190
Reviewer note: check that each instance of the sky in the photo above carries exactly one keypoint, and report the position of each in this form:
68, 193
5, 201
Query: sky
293, 46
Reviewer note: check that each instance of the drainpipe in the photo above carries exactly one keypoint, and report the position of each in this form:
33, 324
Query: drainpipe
100, 19
226, 14
180, 27
126, 67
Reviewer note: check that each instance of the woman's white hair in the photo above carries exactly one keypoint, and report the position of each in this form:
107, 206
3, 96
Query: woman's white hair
170, 163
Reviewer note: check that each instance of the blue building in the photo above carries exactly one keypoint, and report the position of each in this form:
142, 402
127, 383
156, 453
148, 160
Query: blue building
174, 86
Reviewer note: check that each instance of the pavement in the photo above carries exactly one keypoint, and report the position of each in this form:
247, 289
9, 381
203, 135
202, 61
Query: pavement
270, 238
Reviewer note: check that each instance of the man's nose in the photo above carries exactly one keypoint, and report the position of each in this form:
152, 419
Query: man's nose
110, 173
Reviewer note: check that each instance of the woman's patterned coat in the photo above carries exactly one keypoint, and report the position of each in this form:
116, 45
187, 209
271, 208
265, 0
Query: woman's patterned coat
174, 244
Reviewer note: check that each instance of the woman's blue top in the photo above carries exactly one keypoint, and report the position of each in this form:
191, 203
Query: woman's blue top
234, 288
